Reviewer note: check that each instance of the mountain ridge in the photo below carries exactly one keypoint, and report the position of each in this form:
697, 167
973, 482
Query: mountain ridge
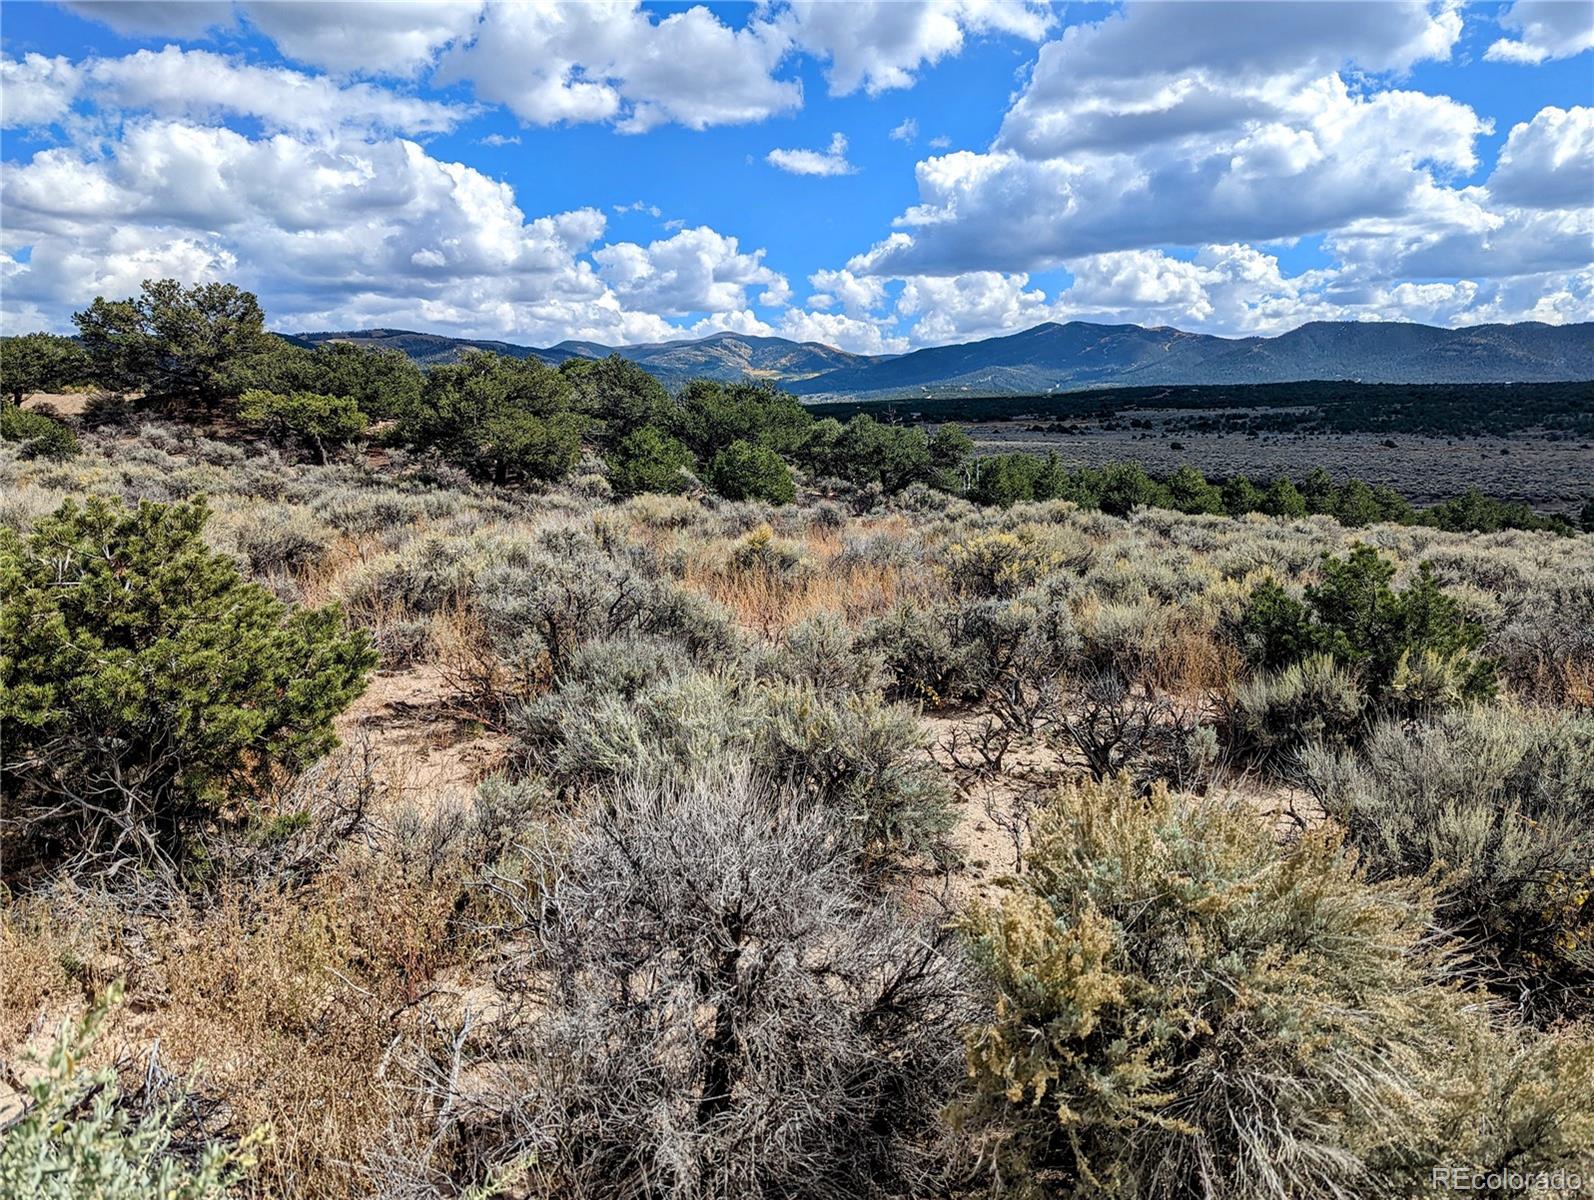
1073, 355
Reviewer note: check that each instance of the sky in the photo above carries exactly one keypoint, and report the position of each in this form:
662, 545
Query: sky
877, 176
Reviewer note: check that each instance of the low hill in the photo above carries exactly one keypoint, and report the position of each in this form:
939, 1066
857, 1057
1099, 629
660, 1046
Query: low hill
1076, 355
725, 356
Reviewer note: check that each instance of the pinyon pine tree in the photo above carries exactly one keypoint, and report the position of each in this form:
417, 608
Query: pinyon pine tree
144, 684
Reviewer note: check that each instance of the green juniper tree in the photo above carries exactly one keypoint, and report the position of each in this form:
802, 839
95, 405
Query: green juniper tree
40, 362
500, 418
743, 471
35, 434
321, 422
648, 460
175, 343
145, 686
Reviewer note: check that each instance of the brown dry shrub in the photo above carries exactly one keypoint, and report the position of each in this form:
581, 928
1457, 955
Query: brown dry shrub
276, 996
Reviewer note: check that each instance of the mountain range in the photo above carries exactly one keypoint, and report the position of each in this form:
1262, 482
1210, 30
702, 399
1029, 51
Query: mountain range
1079, 354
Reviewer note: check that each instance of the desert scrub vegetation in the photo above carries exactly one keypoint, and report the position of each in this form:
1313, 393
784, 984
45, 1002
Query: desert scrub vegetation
80, 1136
705, 1000
324, 934
661, 855
35, 434
1184, 1005
1493, 807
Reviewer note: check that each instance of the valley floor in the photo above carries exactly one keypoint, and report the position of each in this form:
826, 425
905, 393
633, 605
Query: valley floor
1552, 475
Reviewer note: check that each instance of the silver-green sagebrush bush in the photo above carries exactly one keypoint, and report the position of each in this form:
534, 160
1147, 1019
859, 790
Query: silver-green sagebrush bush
1272, 717
536, 610
859, 758
1499, 809
77, 1138
701, 999
856, 757
824, 652
1183, 1007
282, 539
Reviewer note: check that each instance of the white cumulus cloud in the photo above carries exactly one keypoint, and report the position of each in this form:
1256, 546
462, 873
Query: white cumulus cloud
831, 161
695, 270
1544, 29
610, 60
877, 45
1548, 162
387, 37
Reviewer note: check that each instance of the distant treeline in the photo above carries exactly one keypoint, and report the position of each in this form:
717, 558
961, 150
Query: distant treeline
203, 351
1438, 409
1118, 488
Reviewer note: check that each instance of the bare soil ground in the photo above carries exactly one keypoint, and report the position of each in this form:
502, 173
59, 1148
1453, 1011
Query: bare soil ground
62, 404
419, 745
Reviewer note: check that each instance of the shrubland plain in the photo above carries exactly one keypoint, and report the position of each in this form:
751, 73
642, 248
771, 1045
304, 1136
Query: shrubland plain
501, 780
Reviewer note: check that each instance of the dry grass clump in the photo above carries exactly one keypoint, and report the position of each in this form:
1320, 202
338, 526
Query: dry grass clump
79, 1134
770, 583
276, 995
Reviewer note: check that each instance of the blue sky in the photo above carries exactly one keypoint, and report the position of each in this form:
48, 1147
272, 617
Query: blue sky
873, 175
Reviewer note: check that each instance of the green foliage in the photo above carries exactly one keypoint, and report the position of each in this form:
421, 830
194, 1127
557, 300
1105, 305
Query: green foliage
175, 343
1272, 717
950, 451
318, 421
713, 415
1007, 479
1475, 512
1240, 495
78, 1140
865, 451
1275, 629
1317, 489
1283, 499
859, 758
383, 383
1355, 505
743, 471
36, 435
40, 362
145, 683
1356, 617
648, 460
1118, 488
1189, 492
1179, 997
619, 395
499, 418
1497, 809
1126, 486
